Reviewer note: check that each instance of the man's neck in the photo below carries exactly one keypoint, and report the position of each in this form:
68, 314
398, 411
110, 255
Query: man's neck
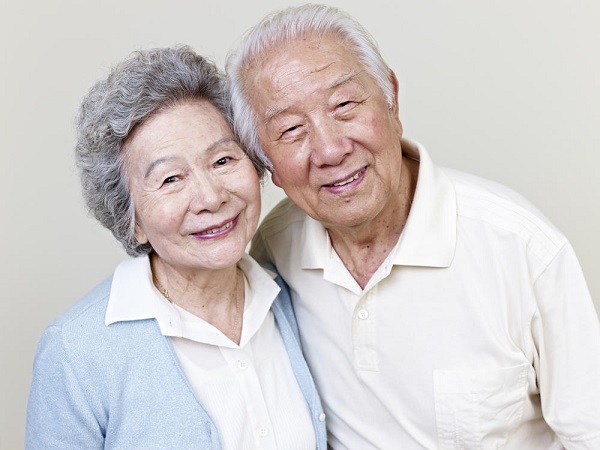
363, 249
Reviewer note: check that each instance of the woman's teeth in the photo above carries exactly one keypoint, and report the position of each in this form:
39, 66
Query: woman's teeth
217, 230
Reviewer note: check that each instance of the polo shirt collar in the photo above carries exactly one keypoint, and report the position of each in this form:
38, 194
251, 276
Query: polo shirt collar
429, 236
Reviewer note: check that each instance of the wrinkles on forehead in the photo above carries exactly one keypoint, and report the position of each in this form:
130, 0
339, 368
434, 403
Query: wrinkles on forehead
288, 67
280, 44
341, 80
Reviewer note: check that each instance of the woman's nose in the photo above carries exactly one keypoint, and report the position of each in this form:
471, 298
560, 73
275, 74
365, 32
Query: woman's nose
207, 194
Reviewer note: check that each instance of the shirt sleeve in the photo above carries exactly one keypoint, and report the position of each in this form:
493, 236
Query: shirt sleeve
566, 331
58, 414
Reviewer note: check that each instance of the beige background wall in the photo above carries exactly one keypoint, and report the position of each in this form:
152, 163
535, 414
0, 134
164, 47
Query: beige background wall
506, 89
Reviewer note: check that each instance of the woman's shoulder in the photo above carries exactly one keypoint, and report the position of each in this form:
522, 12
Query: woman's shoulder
79, 328
91, 307
82, 334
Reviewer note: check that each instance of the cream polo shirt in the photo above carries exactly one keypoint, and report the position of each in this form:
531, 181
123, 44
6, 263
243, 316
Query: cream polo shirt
249, 390
477, 332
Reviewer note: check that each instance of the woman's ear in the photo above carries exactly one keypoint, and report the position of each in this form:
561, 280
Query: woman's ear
140, 235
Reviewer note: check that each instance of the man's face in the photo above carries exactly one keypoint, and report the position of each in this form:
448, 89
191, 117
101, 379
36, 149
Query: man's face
326, 126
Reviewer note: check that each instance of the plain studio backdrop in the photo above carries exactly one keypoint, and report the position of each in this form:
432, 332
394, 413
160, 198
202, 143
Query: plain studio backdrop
509, 90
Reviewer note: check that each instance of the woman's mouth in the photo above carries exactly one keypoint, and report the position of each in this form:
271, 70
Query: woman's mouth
217, 230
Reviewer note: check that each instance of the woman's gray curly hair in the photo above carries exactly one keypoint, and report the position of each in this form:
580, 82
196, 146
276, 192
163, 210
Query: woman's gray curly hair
145, 83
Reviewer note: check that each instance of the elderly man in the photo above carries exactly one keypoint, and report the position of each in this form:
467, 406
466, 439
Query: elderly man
436, 309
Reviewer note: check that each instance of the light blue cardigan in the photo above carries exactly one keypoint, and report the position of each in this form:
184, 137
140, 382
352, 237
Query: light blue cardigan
121, 386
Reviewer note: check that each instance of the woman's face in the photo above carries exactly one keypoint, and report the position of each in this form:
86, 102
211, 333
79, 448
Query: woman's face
196, 194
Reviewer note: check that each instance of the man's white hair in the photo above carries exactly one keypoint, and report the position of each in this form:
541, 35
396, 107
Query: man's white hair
285, 26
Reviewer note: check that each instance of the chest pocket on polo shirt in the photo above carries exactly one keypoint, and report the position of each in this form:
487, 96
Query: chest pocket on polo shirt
476, 409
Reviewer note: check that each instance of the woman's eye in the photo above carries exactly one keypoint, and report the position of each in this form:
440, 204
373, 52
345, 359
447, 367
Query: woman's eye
222, 161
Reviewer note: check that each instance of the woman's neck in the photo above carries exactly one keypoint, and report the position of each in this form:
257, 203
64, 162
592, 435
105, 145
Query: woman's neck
215, 296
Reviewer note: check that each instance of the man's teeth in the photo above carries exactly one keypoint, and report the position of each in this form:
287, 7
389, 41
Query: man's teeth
355, 177
217, 230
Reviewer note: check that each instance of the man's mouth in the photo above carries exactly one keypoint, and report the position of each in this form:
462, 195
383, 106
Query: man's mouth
349, 180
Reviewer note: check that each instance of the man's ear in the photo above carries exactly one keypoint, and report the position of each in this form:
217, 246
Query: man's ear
395, 109
275, 179
394, 82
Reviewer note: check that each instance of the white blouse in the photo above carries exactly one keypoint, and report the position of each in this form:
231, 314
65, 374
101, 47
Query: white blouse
249, 390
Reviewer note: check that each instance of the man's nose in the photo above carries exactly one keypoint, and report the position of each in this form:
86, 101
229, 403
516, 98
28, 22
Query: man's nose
329, 145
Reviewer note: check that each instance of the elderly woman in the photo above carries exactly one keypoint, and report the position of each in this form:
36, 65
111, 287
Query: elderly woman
190, 343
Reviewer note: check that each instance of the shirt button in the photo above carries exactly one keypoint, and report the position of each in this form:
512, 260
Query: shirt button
263, 432
322, 417
363, 314
242, 365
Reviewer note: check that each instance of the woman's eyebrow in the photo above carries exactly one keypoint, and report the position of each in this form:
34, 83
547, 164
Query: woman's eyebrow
216, 144
155, 163
211, 148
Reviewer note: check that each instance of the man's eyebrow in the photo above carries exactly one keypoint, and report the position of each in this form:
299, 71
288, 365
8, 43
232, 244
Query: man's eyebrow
212, 147
340, 81
272, 112
344, 79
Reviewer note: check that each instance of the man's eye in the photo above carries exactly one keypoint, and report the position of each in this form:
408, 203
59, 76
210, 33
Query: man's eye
170, 179
291, 131
347, 105
345, 109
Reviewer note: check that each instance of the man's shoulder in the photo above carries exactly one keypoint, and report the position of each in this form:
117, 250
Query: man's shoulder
280, 235
499, 206
284, 217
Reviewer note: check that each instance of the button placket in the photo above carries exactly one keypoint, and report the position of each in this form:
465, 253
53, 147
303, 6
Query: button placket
364, 332
242, 362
